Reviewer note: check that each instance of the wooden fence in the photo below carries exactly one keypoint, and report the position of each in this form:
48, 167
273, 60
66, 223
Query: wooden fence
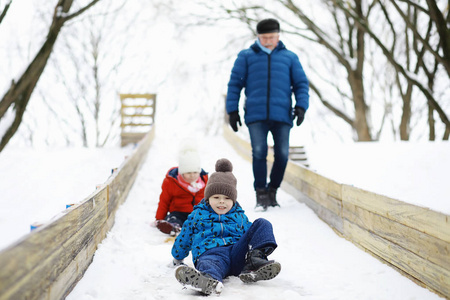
48, 262
413, 240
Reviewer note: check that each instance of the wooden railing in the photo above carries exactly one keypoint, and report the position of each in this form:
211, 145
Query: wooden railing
413, 240
48, 262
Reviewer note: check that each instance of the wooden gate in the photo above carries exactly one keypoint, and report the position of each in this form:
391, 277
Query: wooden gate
138, 116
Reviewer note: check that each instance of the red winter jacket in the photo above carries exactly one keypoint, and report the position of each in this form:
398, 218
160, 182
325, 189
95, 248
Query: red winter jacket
174, 197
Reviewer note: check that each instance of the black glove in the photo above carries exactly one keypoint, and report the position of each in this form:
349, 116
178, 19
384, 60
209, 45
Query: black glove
300, 114
234, 119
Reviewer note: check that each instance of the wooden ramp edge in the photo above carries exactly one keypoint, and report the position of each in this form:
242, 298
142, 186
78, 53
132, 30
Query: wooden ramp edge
49, 261
413, 240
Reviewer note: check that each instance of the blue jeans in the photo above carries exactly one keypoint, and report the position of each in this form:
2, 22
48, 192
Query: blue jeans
221, 262
258, 137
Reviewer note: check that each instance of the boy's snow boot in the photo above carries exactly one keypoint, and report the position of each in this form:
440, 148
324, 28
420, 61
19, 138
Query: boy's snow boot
199, 281
262, 199
258, 267
273, 196
167, 227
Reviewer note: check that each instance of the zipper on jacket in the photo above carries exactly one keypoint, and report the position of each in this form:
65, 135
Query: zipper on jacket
268, 87
221, 231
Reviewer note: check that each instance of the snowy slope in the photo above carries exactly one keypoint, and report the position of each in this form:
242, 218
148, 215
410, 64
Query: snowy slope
133, 262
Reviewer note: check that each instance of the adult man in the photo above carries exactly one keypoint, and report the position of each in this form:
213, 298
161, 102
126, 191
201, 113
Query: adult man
270, 75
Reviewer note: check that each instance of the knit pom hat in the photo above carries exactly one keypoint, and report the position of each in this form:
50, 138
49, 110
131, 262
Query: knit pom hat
222, 181
268, 26
189, 161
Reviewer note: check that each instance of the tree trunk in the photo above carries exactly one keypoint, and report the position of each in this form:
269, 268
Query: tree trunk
357, 83
19, 93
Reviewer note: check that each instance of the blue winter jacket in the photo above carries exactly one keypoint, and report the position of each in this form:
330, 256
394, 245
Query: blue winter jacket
269, 81
205, 229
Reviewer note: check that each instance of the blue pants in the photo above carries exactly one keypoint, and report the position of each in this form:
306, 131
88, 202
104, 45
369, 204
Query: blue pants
258, 136
221, 262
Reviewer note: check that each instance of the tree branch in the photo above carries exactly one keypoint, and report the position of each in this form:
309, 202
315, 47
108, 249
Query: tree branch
5, 10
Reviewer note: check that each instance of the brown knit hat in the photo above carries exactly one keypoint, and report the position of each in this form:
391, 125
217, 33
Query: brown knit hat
222, 181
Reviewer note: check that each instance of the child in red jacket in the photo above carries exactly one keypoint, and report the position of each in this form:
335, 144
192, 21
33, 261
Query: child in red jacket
183, 188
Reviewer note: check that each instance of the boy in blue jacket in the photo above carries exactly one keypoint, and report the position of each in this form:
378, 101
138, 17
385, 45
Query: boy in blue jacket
222, 239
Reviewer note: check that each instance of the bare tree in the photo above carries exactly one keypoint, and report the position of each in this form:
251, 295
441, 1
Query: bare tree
18, 95
421, 45
92, 77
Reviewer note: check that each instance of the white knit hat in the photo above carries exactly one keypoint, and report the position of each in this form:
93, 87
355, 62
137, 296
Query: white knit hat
189, 161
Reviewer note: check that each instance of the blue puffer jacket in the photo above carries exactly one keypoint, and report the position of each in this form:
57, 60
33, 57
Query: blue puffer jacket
204, 229
269, 81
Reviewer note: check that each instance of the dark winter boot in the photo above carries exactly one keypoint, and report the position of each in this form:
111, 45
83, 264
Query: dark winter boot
258, 267
262, 199
198, 281
168, 228
273, 196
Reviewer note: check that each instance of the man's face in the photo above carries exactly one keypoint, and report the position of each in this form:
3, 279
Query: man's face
269, 40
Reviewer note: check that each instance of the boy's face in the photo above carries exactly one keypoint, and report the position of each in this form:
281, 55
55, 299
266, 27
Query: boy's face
191, 177
221, 204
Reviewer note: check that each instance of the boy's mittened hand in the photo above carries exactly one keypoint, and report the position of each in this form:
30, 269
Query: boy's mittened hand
177, 262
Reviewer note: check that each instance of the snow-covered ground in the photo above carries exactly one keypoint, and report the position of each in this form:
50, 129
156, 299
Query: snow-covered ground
36, 185
413, 172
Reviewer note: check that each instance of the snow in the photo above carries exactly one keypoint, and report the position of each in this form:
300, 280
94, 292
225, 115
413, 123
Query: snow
36, 185
413, 172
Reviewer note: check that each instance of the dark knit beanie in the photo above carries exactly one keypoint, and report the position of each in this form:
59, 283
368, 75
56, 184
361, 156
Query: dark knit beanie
268, 26
222, 181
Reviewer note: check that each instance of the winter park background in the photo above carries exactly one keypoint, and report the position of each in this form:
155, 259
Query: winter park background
46, 166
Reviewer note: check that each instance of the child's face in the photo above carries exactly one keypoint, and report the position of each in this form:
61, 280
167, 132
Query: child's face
221, 204
191, 177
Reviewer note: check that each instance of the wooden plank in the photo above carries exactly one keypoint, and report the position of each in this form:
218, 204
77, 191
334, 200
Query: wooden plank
322, 198
242, 147
68, 279
137, 115
122, 181
135, 124
433, 276
331, 218
294, 173
134, 96
137, 106
422, 219
421, 244
30, 267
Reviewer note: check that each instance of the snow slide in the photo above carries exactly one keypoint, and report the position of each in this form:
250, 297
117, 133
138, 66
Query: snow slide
134, 261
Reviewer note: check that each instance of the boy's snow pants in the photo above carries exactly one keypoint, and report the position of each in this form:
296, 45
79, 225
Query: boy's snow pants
224, 261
